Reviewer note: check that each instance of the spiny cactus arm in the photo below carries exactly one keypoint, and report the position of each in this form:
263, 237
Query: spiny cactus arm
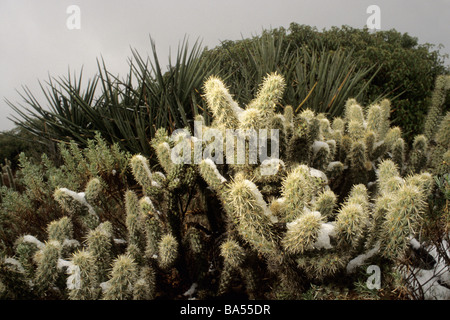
359, 165
359, 195
385, 105
298, 149
442, 166
60, 230
297, 191
163, 152
321, 154
142, 173
133, 217
375, 120
145, 286
326, 203
227, 275
76, 203
302, 233
387, 170
442, 136
338, 124
424, 181
208, 171
355, 130
398, 153
351, 223
370, 141
269, 94
225, 110
251, 215
435, 109
379, 211
47, 266
233, 253
402, 221
288, 116
392, 135
167, 251
353, 111
100, 244
93, 190
123, 276
418, 154
327, 264
82, 281
153, 227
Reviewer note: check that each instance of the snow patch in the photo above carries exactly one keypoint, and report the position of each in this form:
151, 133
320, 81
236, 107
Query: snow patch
271, 166
414, 243
74, 279
326, 231
260, 200
105, 286
15, 263
317, 145
81, 198
430, 280
70, 243
359, 260
191, 290
213, 167
32, 239
119, 241
333, 164
318, 174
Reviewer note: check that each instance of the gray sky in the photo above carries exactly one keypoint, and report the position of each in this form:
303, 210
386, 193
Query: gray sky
36, 42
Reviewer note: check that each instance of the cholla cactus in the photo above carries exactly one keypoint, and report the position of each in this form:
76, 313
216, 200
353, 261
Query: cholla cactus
222, 104
302, 233
123, 276
434, 116
83, 282
402, 220
60, 230
440, 154
336, 197
167, 251
47, 266
353, 153
418, 155
76, 204
144, 287
99, 243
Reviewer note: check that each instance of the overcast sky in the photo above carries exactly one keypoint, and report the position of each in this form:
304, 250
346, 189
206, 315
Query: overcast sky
36, 42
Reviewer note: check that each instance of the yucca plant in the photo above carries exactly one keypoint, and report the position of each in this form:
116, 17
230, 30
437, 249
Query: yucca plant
318, 79
122, 111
